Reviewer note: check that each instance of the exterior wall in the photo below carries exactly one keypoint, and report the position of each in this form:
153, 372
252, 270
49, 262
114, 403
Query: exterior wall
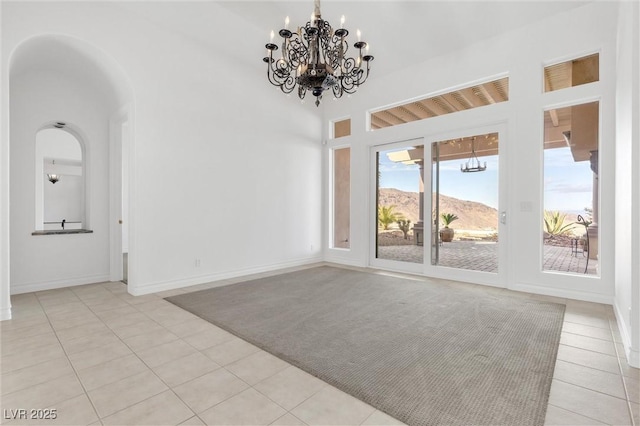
521, 57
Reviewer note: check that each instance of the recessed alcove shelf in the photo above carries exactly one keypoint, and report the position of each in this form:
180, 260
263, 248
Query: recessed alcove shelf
63, 231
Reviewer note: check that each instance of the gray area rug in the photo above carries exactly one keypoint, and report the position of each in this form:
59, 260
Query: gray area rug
425, 353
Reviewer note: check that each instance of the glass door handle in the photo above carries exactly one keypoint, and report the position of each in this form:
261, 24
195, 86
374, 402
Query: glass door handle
503, 218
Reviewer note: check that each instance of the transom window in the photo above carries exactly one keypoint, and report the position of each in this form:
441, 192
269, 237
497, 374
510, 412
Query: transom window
479, 95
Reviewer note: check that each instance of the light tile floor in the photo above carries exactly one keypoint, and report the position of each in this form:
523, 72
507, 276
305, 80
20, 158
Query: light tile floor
98, 355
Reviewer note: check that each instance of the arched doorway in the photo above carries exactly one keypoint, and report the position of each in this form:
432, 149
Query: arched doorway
65, 85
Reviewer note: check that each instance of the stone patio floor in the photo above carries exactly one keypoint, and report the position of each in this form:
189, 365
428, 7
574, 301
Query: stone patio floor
483, 256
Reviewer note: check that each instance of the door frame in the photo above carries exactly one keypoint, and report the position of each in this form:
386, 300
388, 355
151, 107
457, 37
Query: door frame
391, 265
121, 121
499, 279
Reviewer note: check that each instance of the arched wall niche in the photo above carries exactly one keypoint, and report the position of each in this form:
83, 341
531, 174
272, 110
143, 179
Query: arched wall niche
60, 179
56, 78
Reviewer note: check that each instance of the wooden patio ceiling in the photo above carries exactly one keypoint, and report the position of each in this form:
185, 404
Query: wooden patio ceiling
470, 97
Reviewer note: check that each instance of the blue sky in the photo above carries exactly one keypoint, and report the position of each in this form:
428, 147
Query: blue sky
567, 184
481, 187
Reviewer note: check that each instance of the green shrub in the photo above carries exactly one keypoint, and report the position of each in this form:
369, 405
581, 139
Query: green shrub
387, 216
554, 223
405, 226
447, 218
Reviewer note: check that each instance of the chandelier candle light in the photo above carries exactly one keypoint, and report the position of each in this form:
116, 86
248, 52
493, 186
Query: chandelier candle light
314, 59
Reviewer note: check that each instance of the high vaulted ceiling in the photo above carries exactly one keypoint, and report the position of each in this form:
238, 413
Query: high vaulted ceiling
395, 30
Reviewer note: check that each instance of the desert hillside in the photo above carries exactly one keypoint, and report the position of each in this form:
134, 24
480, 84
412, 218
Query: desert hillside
473, 215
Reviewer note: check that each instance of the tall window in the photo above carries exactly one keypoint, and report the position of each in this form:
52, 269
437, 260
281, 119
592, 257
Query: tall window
571, 167
341, 197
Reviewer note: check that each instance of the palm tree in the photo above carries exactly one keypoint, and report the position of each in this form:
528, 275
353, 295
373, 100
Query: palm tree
386, 216
447, 218
446, 234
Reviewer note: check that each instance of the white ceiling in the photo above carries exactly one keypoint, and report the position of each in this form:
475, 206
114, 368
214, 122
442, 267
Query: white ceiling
400, 33
69, 56
395, 30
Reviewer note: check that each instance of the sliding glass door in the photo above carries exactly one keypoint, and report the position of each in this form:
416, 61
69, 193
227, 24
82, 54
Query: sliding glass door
399, 207
454, 229
466, 218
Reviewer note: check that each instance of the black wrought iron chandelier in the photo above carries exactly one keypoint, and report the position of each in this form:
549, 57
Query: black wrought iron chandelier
314, 59
473, 164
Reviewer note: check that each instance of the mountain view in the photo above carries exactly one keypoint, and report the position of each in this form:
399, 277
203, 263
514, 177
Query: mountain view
472, 215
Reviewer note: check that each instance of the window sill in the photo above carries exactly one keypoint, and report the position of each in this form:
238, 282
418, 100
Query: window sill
63, 231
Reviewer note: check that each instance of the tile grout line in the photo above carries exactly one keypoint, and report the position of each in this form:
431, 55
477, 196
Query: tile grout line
195, 378
587, 366
249, 385
302, 402
145, 364
124, 343
590, 350
584, 335
589, 325
619, 374
589, 389
580, 414
162, 380
624, 382
120, 339
75, 371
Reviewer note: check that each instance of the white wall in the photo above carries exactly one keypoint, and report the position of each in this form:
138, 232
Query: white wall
224, 168
39, 262
627, 191
522, 55
125, 186
5, 302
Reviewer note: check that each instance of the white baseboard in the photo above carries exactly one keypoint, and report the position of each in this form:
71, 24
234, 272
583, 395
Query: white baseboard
564, 293
209, 278
5, 314
633, 355
344, 261
51, 285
